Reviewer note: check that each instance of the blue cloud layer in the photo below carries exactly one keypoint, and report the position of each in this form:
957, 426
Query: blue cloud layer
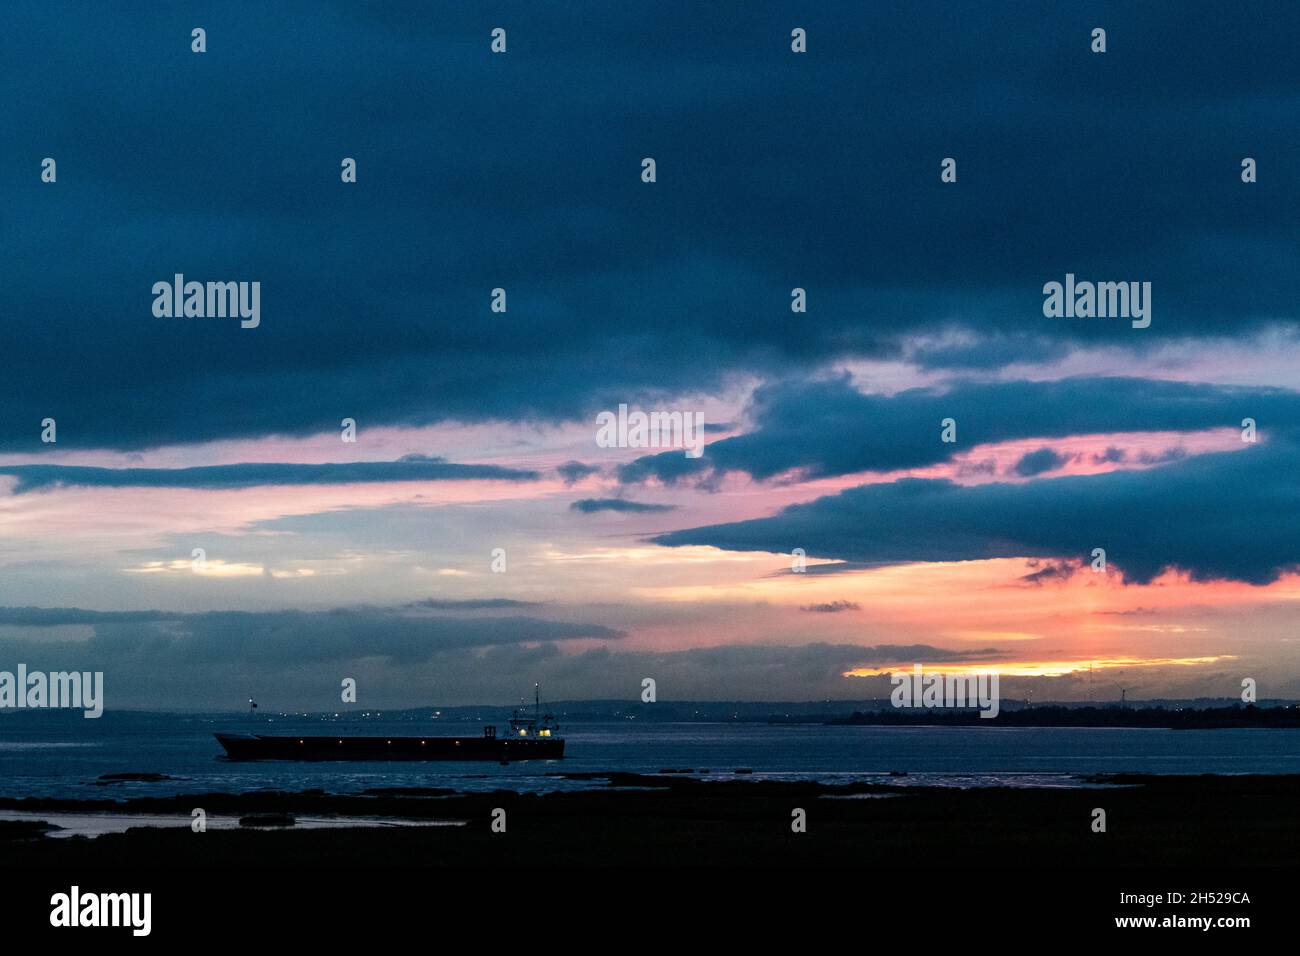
521, 171
828, 428
593, 505
1231, 515
408, 468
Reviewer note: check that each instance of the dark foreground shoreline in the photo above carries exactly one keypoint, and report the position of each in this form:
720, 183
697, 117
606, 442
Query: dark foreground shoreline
680, 821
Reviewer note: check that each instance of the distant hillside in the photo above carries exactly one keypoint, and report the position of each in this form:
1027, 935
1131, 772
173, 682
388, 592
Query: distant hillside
1179, 718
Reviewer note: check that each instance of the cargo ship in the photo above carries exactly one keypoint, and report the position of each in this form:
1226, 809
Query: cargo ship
534, 737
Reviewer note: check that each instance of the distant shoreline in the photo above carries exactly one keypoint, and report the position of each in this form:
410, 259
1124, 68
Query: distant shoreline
1203, 718
606, 711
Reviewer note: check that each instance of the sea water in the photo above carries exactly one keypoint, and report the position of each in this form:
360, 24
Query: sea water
50, 754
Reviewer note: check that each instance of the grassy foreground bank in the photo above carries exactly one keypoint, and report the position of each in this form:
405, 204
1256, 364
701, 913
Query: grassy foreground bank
683, 821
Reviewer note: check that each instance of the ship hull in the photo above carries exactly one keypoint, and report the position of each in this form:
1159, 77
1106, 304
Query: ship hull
274, 747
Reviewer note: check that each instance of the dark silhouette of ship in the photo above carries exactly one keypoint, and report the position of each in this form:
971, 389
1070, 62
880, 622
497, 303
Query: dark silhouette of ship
535, 737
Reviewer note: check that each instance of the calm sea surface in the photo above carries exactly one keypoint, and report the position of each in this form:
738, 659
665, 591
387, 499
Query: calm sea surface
62, 755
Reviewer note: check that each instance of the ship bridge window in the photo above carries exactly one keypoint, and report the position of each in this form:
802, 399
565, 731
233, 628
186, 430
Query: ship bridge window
543, 733
523, 731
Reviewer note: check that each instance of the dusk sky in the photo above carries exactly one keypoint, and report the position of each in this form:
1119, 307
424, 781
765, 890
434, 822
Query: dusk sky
477, 429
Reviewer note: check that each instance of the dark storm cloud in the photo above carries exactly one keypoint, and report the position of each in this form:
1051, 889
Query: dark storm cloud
593, 505
1230, 515
68, 616
574, 471
833, 607
1049, 572
408, 468
1039, 462
828, 428
1160, 457
522, 171
287, 638
295, 659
